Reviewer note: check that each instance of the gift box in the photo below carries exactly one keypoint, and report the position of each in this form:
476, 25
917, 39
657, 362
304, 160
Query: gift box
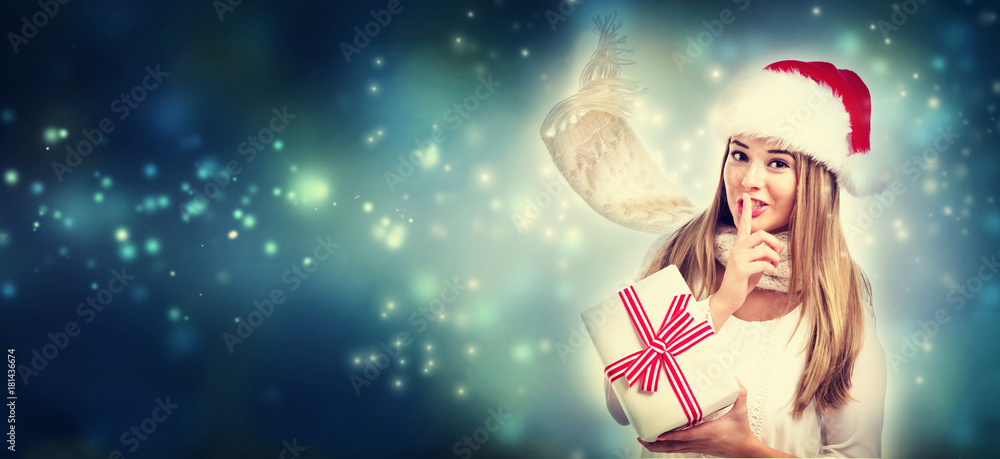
666, 375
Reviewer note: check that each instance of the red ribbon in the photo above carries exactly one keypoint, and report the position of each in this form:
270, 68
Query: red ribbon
677, 334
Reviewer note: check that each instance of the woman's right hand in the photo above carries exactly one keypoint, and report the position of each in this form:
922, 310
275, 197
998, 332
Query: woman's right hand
752, 255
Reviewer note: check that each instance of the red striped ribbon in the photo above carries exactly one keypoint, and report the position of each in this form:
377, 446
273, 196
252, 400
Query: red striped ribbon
676, 334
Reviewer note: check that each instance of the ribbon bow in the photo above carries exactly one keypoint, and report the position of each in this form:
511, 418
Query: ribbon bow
676, 334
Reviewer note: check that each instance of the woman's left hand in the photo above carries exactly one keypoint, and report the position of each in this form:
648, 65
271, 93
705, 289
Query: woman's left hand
728, 436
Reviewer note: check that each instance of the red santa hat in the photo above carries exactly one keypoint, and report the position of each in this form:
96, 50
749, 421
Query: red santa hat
813, 108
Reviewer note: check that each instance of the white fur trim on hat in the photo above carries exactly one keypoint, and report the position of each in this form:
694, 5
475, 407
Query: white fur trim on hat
864, 174
802, 115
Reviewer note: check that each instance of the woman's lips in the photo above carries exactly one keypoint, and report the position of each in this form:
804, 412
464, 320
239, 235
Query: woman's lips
755, 212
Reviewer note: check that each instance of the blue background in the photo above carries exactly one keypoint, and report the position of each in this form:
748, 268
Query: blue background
457, 236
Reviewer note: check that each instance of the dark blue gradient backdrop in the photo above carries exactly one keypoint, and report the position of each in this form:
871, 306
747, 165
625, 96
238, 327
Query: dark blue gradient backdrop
216, 239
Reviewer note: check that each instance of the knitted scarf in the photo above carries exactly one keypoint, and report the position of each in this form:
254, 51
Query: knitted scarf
725, 235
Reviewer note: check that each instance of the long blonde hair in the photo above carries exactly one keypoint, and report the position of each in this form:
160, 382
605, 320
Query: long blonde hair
834, 289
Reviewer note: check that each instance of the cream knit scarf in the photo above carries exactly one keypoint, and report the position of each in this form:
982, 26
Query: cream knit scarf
725, 235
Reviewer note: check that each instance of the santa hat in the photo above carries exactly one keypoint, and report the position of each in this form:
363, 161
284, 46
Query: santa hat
813, 108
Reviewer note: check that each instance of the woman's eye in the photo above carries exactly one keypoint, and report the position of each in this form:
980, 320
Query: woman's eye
739, 156
779, 164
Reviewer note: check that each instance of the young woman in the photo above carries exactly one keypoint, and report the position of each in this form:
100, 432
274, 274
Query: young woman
788, 303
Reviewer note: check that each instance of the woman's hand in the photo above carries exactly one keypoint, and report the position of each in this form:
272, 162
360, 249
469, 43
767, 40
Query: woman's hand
752, 255
728, 436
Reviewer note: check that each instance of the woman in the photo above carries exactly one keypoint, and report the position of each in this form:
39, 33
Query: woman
789, 305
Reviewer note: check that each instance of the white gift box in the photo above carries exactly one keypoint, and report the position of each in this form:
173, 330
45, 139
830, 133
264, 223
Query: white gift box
680, 362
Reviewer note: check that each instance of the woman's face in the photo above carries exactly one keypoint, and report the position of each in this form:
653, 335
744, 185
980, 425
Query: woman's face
766, 173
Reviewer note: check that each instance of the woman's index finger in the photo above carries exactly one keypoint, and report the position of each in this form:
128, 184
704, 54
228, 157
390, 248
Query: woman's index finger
744, 230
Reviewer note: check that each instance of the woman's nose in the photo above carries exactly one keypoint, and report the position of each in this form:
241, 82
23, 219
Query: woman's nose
754, 177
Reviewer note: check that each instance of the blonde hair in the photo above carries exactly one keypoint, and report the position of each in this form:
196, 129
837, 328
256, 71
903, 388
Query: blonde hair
833, 287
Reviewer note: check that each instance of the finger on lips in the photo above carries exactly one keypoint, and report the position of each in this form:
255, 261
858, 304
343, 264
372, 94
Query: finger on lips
744, 230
